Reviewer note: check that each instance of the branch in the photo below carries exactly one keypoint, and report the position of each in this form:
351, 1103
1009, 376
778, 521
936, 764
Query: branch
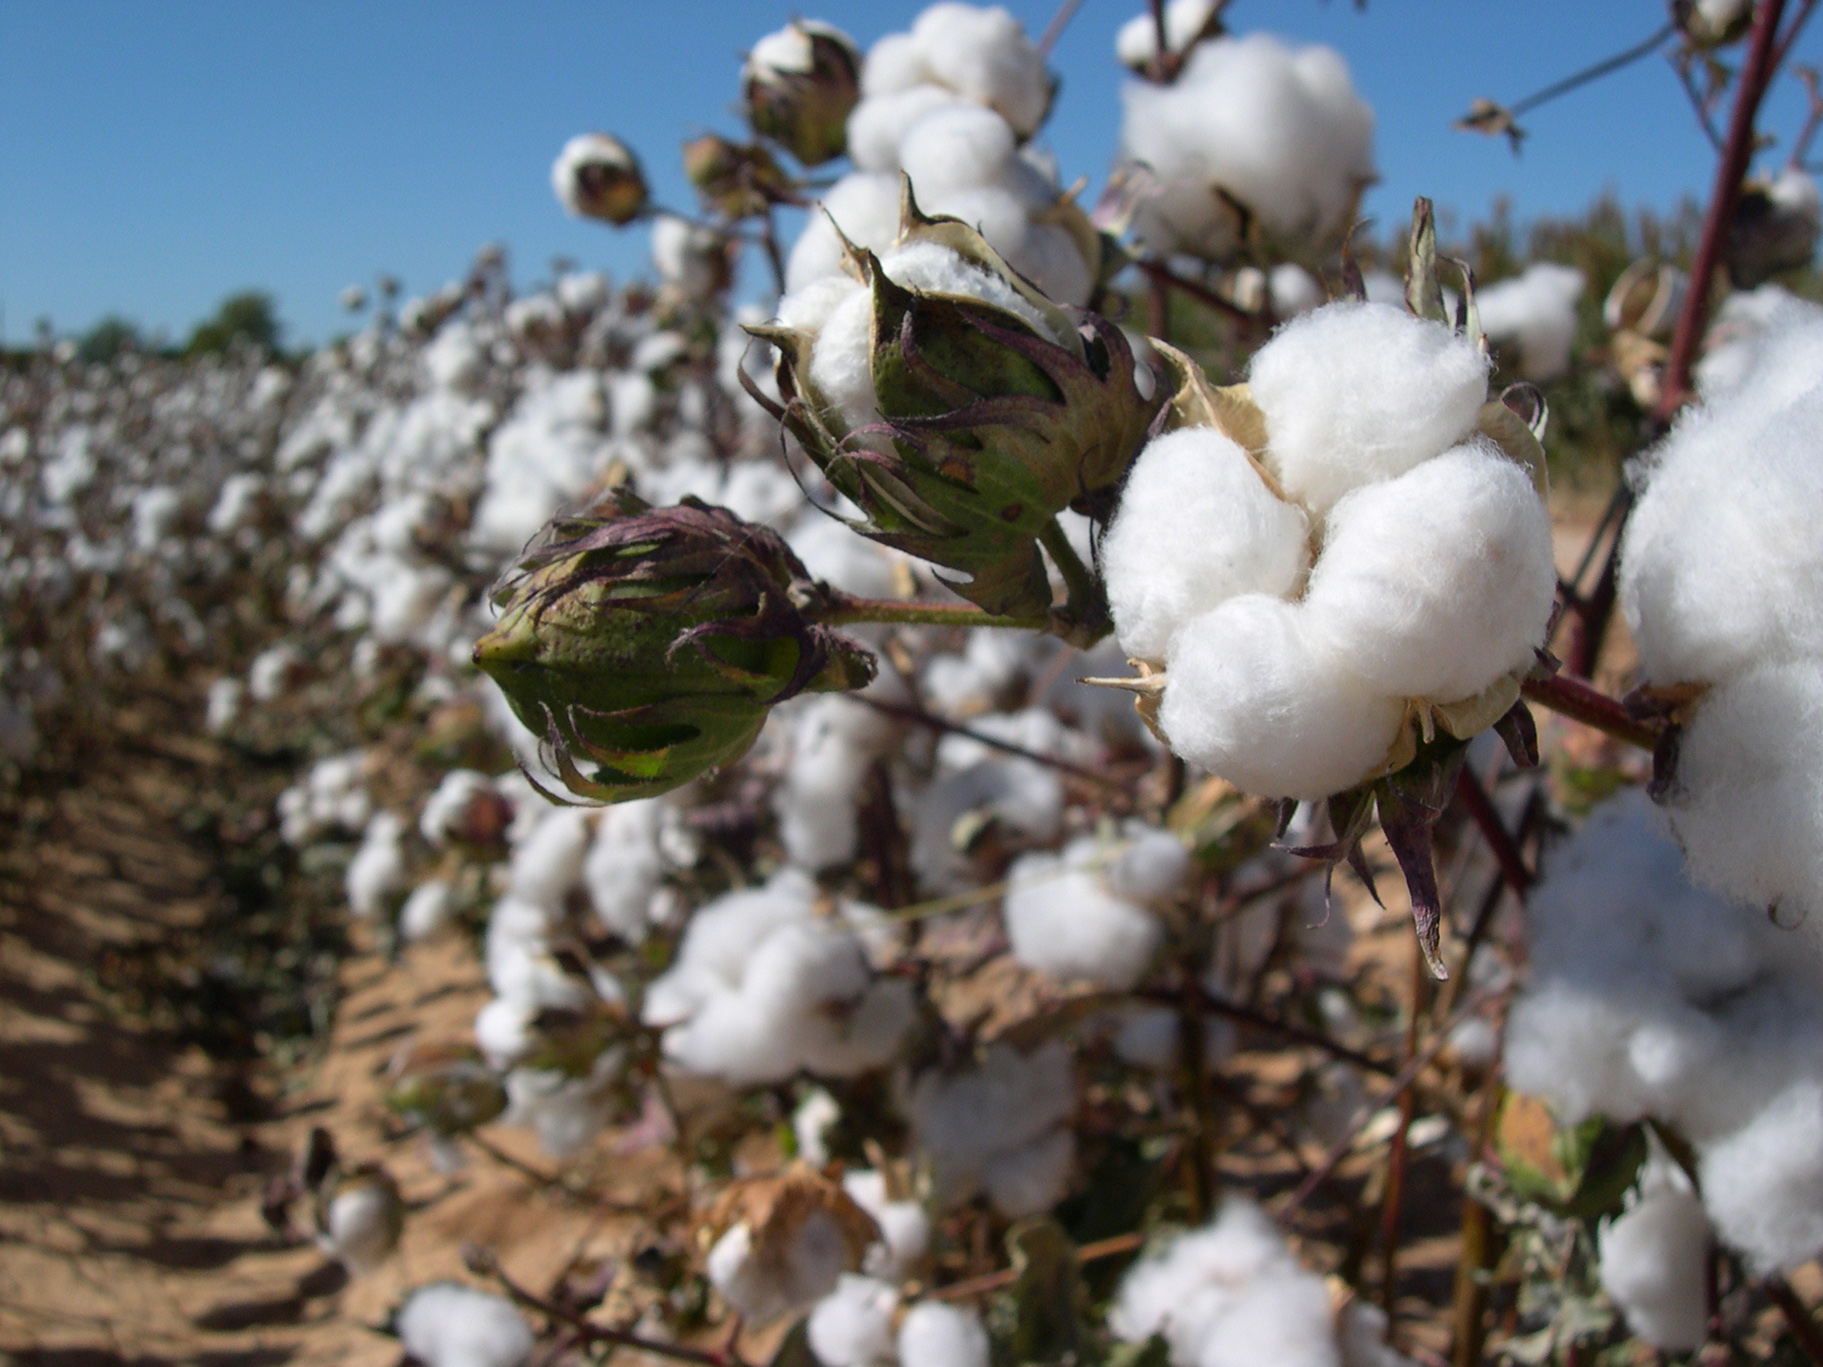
846, 610
1161, 274
1737, 154
1581, 701
1059, 22
1481, 811
993, 1281
919, 717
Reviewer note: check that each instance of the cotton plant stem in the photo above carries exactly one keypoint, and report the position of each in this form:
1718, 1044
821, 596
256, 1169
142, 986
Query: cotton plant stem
1482, 812
845, 610
1059, 22
1737, 154
1582, 702
482, 1262
1297, 1034
1086, 612
1163, 278
1480, 1251
917, 716
1803, 1326
994, 1281
1400, 1154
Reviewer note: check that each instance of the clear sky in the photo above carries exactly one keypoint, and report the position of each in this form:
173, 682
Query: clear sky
155, 157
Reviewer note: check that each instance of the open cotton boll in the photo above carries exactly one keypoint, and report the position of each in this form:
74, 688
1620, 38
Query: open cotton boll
360, 1225
565, 1112
1735, 347
841, 362
1196, 526
1228, 1293
904, 1226
894, 63
1137, 42
809, 306
1722, 570
378, 869
807, 1268
1022, 795
1051, 259
1249, 697
996, 1116
449, 1325
1654, 1260
624, 867
879, 123
1063, 920
445, 811
1032, 1178
1357, 392
958, 147
1435, 583
1537, 311
1763, 1185
503, 1032
1748, 806
1293, 290
835, 742
984, 55
427, 910
1280, 130
721, 937
853, 1325
934, 1334
549, 863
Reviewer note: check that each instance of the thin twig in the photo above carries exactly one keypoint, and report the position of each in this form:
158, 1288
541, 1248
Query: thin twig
1796, 27
1059, 22
1592, 73
1812, 120
993, 1281
1797, 1316
1246, 1015
482, 1262
1737, 153
1406, 1076
1162, 275
1680, 63
1481, 811
919, 717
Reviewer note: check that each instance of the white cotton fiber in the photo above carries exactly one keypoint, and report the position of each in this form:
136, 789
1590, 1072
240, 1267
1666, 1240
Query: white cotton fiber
983, 54
548, 864
1251, 698
1137, 42
1002, 1118
878, 125
1536, 311
1150, 865
1736, 346
378, 869
904, 1226
1655, 1259
1196, 525
865, 205
934, 1334
894, 63
1748, 806
624, 868
1359, 392
1294, 290
427, 910
1064, 920
1228, 1295
958, 147
853, 1325
841, 364
1722, 567
763, 1288
1279, 130
1435, 583
1032, 1178
449, 1325
1763, 1185
835, 741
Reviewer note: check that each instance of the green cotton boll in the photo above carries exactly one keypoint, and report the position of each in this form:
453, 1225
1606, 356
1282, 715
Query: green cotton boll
646, 645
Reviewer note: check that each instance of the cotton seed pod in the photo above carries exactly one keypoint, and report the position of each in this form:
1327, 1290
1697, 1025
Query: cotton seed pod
798, 87
1775, 228
1712, 23
649, 643
981, 412
597, 176
359, 1217
446, 1089
776, 1245
734, 180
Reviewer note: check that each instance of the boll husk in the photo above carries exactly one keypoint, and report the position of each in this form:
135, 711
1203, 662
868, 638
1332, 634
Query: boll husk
359, 1217
650, 643
961, 416
1775, 228
597, 176
734, 180
777, 1245
445, 1089
798, 86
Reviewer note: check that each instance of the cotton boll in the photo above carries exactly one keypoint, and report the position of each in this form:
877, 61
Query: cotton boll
1283, 1320
1763, 1186
1654, 1261
378, 869
904, 1226
1358, 392
1536, 310
936, 269
1252, 699
623, 868
1062, 920
1029, 1180
853, 1325
1024, 796
894, 63
841, 363
934, 1334
835, 742
1434, 584
762, 1289
807, 308
1137, 42
1050, 257
359, 1224
878, 125
503, 1032
427, 910
1000, 216
447, 1325
957, 147
689, 256
565, 1112
1749, 797
549, 863
722, 936
226, 696
1005, 1109
1293, 290
1195, 527
1721, 570
1736, 345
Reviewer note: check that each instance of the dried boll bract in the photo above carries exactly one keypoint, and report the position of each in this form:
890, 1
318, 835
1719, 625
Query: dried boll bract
780, 1244
798, 86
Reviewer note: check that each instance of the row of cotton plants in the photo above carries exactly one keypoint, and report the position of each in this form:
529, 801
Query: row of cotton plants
982, 694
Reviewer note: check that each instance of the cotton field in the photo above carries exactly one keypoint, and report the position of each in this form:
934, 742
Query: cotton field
1064, 788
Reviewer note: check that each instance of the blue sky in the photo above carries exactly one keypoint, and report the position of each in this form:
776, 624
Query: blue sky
155, 157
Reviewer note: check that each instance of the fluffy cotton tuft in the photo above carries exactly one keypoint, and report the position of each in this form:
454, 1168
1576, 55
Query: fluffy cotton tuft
853, 1325
809, 1266
378, 870
1536, 311
1359, 392
1251, 698
1763, 1185
1434, 584
1196, 526
1137, 42
1279, 129
904, 1226
1654, 1260
934, 1334
998, 1128
449, 1325
1064, 919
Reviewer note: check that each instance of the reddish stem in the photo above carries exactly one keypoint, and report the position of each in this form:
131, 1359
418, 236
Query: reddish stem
1797, 1316
1581, 701
1481, 811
